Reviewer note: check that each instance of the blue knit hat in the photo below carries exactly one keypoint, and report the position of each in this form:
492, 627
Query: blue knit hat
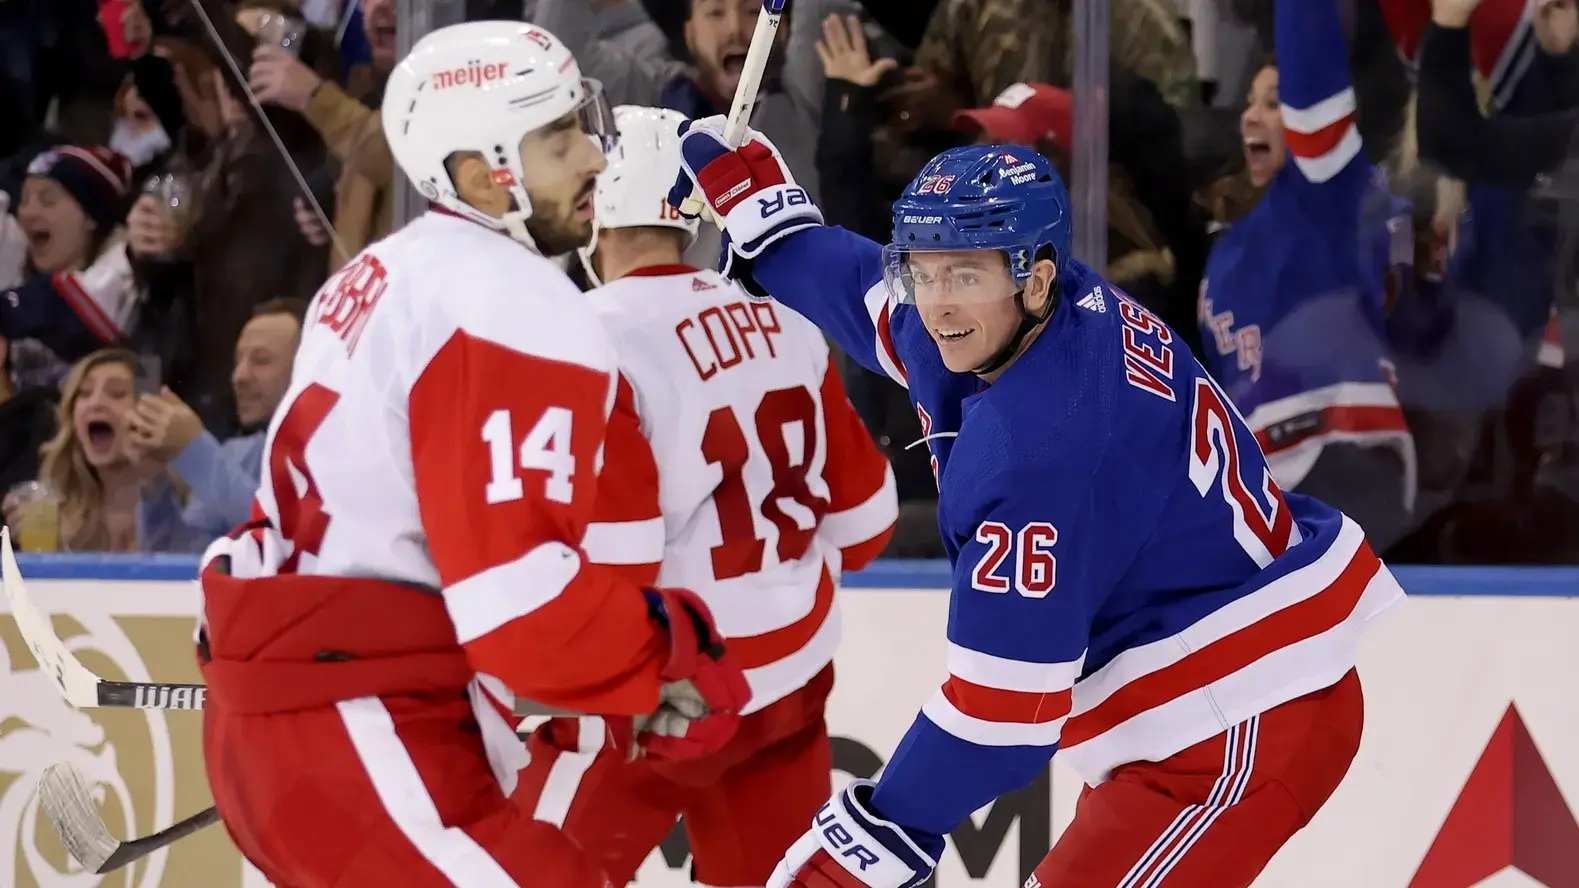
96, 178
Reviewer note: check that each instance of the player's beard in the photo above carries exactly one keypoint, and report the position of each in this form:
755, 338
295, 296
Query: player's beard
555, 229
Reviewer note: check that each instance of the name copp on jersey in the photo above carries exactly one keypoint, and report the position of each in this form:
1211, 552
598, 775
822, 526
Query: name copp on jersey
446, 433
736, 467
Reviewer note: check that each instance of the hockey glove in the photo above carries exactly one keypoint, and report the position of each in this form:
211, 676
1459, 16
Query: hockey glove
750, 190
699, 706
850, 846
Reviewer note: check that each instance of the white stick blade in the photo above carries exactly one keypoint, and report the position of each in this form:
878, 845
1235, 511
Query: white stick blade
69, 808
78, 685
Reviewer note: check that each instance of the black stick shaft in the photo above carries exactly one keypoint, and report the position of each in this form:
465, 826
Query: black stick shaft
137, 849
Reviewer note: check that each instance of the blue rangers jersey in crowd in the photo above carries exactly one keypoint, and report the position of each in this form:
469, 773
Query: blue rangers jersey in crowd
1127, 579
1292, 308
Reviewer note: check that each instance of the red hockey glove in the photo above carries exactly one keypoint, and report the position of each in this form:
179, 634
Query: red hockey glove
750, 190
699, 708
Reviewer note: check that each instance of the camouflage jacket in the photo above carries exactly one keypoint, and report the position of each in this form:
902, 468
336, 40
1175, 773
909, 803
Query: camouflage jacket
978, 47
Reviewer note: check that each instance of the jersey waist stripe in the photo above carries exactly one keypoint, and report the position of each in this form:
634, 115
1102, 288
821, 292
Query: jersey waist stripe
752, 651
1270, 646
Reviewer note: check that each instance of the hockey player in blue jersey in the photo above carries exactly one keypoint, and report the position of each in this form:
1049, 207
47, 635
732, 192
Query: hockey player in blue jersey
1130, 586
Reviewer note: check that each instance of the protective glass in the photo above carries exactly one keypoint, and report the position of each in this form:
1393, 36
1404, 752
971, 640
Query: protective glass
954, 276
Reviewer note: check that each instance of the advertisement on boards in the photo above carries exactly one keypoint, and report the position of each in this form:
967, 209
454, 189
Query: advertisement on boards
1469, 763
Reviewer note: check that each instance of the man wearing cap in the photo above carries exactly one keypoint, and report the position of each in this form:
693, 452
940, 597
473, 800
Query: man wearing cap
1154, 251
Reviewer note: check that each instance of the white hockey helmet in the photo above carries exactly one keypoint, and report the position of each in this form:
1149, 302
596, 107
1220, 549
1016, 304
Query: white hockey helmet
633, 191
483, 86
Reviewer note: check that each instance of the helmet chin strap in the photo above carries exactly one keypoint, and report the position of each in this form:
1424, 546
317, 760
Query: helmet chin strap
1028, 323
514, 221
585, 255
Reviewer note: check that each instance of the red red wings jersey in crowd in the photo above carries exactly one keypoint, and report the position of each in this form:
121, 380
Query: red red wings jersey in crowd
446, 432
735, 466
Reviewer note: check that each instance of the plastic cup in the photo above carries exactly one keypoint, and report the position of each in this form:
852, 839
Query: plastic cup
38, 517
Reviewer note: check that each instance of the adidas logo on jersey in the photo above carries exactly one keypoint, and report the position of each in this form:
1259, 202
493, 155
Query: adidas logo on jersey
1094, 301
698, 285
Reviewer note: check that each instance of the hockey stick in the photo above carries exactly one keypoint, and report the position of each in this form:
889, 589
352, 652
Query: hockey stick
745, 102
81, 687
69, 807
85, 689
63, 793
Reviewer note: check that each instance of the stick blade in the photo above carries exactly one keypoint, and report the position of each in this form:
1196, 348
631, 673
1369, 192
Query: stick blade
69, 808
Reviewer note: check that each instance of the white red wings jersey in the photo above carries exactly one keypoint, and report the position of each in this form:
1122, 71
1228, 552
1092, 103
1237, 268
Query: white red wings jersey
443, 429
736, 467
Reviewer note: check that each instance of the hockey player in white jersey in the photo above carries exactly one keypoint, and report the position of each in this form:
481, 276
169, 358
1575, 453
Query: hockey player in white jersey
735, 466
428, 481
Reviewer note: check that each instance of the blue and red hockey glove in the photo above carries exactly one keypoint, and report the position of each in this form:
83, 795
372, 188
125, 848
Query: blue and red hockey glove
850, 846
750, 191
704, 691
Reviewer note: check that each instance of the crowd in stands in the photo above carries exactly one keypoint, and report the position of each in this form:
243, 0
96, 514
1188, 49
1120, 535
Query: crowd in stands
1370, 241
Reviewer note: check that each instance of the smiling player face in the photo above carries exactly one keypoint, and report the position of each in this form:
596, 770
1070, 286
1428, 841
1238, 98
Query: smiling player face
966, 301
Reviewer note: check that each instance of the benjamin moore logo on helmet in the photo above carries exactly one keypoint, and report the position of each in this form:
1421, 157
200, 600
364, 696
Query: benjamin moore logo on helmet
474, 73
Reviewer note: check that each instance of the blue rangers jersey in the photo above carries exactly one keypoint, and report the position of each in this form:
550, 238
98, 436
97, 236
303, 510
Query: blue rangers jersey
1291, 310
1127, 578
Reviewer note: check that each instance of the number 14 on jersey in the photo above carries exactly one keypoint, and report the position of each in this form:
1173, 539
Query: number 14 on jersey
545, 448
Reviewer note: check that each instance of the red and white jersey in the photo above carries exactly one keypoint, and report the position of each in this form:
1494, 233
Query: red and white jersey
736, 467
443, 429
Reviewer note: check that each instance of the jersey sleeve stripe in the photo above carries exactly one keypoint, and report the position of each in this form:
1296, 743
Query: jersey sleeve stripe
942, 712
1002, 673
625, 542
998, 705
486, 600
1323, 138
866, 521
877, 306
1305, 603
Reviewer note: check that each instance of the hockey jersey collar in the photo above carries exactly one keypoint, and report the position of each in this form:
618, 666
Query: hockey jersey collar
663, 270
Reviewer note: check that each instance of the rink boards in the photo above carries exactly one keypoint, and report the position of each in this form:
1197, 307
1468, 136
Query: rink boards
1472, 694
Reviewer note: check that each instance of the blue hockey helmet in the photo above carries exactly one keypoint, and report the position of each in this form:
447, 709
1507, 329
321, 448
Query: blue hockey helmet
980, 197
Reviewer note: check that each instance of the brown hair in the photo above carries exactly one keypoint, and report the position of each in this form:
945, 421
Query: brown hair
1231, 195
67, 470
193, 62
287, 305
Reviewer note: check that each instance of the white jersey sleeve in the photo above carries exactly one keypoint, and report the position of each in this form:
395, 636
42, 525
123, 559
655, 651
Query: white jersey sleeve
444, 428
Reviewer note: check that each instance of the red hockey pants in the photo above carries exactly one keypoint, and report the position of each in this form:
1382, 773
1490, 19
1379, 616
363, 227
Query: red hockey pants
1212, 815
743, 806
390, 792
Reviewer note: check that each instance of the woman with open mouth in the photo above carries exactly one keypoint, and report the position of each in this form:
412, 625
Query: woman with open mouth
88, 464
74, 291
1293, 307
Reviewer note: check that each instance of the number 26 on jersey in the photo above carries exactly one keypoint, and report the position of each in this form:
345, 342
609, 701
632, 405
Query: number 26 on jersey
1021, 559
